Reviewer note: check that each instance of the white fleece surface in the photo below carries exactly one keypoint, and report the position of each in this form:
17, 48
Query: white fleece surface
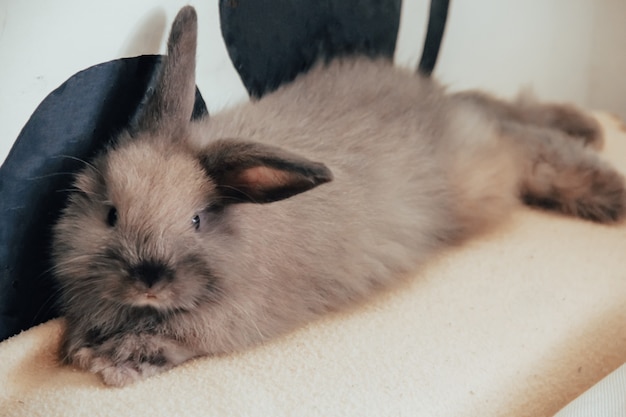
516, 323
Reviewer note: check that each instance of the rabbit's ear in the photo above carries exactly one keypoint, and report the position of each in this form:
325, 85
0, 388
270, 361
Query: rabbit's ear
170, 106
257, 173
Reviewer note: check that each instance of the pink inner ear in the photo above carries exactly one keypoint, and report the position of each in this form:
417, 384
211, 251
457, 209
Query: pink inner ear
263, 178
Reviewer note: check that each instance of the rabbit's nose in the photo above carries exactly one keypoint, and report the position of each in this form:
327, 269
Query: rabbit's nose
151, 272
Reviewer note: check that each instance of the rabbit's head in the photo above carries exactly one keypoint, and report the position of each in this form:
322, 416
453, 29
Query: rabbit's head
134, 233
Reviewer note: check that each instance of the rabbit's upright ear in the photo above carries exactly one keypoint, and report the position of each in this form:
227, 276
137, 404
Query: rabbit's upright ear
256, 173
170, 106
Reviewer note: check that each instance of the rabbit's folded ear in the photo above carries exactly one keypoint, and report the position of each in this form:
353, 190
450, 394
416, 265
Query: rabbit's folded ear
170, 106
257, 173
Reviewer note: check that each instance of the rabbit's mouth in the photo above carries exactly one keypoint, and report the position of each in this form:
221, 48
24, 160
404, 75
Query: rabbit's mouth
149, 298
159, 295
159, 298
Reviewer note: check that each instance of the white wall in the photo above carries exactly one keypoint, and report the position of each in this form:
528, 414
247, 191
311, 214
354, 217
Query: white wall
566, 50
542, 44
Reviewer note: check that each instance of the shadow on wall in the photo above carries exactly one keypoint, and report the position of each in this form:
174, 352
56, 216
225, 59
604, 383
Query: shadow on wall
607, 86
148, 35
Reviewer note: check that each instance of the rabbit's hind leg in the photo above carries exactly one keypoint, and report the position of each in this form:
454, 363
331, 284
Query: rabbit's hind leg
565, 175
566, 118
526, 110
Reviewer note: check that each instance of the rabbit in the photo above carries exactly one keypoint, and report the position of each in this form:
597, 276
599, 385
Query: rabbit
197, 238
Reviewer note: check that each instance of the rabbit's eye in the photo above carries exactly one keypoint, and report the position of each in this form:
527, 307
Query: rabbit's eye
112, 217
195, 221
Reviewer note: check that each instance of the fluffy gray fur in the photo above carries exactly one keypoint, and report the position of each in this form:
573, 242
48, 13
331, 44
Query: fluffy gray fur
201, 238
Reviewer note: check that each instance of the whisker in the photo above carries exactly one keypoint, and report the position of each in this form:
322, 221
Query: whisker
80, 160
246, 315
53, 174
50, 302
63, 263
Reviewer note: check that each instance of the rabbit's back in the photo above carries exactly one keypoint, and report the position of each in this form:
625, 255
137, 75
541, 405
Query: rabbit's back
351, 107
390, 204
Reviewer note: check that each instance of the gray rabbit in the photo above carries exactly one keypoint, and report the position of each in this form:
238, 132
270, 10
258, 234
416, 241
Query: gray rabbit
198, 238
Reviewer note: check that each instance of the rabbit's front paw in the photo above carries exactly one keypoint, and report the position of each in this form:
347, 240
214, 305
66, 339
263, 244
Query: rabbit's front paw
112, 373
122, 362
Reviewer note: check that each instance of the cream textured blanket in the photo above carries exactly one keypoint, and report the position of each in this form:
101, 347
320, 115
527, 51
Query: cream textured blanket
516, 323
